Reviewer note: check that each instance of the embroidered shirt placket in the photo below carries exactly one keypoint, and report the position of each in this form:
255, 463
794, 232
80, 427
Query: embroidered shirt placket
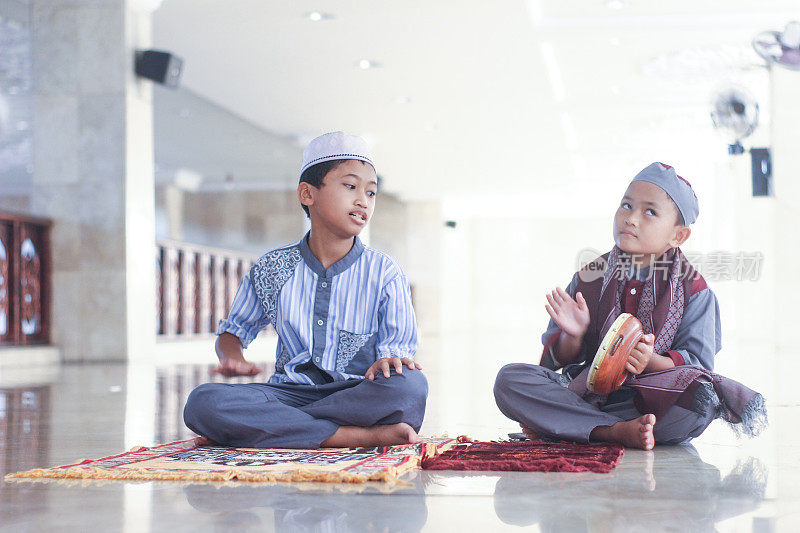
322, 301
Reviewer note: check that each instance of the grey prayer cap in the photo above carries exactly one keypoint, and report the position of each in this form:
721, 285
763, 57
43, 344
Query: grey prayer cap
333, 146
675, 186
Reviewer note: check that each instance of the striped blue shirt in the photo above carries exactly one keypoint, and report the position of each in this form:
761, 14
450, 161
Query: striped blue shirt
332, 324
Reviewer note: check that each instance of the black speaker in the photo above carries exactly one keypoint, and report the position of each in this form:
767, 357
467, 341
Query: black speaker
161, 67
761, 165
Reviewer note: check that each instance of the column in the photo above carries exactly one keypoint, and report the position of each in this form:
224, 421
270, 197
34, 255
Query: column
93, 174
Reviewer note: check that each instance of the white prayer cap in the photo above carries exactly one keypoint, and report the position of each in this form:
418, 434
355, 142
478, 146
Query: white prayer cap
675, 186
333, 146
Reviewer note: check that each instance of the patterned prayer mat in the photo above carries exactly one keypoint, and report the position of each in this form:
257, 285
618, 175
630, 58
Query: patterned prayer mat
527, 456
186, 461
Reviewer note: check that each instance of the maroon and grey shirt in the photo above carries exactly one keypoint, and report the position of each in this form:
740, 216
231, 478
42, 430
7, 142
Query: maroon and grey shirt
696, 342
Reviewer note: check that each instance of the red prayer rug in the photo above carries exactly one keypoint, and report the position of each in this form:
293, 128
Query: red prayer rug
527, 456
186, 461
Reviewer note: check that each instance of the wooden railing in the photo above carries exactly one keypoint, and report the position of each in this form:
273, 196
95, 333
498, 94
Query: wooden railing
195, 287
24, 280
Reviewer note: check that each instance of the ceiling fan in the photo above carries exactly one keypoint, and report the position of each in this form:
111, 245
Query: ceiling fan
781, 48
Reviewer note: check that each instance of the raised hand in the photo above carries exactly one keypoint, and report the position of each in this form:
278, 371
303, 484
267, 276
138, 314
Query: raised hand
570, 315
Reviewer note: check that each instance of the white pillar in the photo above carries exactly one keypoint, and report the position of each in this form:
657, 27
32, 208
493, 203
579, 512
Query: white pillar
785, 85
786, 176
93, 174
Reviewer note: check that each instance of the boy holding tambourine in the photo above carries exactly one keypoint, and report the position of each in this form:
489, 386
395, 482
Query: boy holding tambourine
671, 394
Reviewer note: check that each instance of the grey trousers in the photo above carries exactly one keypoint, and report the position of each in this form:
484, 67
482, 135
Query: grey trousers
265, 415
537, 397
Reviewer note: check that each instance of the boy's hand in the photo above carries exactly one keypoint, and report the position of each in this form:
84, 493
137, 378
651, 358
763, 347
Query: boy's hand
384, 365
571, 316
235, 367
641, 355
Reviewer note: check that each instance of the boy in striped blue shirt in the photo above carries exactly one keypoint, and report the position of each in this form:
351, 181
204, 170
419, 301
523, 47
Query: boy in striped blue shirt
346, 328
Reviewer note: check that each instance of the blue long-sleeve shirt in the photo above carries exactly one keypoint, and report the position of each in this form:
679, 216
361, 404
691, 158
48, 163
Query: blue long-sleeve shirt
332, 324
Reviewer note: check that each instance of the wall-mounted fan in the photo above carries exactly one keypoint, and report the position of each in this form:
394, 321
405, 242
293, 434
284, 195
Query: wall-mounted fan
782, 48
735, 113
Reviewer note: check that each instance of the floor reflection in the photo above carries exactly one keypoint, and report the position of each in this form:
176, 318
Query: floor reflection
24, 428
315, 507
173, 385
671, 488
83, 411
24, 441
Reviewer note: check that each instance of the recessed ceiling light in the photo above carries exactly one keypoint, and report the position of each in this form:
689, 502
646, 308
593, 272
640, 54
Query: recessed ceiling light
615, 41
616, 89
316, 16
616, 4
366, 64
401, 100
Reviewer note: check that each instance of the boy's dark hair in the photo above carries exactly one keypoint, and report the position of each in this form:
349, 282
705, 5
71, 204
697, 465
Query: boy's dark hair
679, 221
315, 174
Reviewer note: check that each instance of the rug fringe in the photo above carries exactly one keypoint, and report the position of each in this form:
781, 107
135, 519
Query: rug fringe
389, 476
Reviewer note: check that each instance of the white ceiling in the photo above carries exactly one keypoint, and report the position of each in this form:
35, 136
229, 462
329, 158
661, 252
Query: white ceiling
503, 96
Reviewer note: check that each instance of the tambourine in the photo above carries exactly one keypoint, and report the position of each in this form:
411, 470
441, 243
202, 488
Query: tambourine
607, 372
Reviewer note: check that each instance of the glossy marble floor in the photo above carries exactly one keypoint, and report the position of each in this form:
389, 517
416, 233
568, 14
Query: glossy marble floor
51, 416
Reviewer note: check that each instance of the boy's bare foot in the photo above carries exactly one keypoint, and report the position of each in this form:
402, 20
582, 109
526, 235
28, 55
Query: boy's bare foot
636, 433
531, 434
354, 436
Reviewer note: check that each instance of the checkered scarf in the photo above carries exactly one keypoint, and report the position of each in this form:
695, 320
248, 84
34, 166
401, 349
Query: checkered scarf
663, 295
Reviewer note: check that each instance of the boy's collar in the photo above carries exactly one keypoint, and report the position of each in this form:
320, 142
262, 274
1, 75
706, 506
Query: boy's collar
643, 274
640, 274
339, 266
